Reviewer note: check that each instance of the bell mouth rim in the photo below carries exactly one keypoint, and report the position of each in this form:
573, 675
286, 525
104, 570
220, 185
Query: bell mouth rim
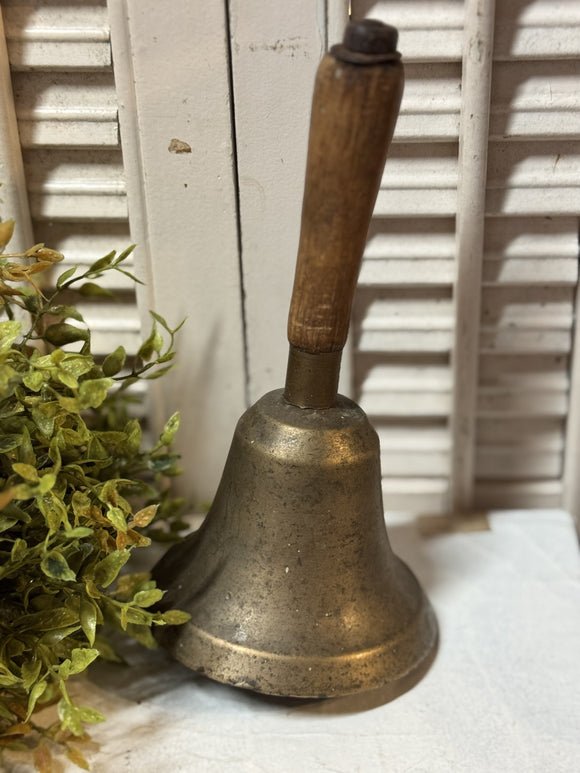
395, 665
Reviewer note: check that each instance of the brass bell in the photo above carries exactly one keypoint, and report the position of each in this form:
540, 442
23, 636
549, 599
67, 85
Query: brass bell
291, 583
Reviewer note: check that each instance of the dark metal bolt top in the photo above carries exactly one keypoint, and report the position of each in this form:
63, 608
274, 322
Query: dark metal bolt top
370, 36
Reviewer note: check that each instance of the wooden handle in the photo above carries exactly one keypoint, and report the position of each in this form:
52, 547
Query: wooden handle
356, 100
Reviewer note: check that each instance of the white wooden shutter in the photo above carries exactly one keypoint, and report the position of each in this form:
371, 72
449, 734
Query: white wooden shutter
172, 72
66, 109
70, 184
465, 313
530, 265
403, 317
463, 325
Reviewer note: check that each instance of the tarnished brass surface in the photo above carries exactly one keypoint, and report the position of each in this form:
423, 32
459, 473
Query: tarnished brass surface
312, 379
291, 583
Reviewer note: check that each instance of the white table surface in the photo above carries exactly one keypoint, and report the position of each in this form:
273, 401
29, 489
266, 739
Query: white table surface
502, 695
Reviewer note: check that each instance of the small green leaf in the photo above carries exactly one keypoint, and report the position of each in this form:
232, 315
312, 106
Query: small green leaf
128, 273
61, 333
102, 263
70, 404
70, 717
63, 277
109, 567
147, 348
81, 659
134, 435
67, 379
77, 364
170, 429
9, 332
162, 462
33, 303
136, 616
145, 516
93, 391
81, 504
115, 515
54, 637
6, 522
54, 511
146, 598
9, 443
34, 695
30, 672
78, 532
90, 715
54, 565
46, 483
19, 550
125, 254
94, 290
43, 416
167, 357
26, 452
113, 362
26, 471
175, 617
64, 669
89, 619
7, 678
160, 319
33, 380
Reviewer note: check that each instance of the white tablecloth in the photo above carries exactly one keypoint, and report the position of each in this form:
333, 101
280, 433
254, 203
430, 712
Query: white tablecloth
502, 695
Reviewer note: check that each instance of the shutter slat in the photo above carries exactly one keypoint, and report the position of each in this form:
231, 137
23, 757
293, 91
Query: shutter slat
529, 270
430, 105
523, 341
409, 252
67, 36
402, 319
532, 102
73, 110
540, 271
493, 401
76, 184
542, 370
418, 494
494, 494
500, 463
112, 325
393, 403
540, 29
66, 106
429, 30
531, 263
413, 463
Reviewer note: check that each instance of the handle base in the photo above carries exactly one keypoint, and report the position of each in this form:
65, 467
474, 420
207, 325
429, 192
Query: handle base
312, 379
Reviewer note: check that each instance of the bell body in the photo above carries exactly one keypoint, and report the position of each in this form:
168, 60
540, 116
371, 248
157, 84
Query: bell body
291, 583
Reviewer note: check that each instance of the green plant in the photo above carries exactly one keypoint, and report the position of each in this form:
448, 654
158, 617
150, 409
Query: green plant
77, 492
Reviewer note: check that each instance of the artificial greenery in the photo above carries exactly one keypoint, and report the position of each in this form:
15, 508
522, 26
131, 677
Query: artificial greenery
77, 491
